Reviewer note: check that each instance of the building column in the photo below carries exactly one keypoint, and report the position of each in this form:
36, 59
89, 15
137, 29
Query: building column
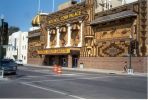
48, 39
81, 34
58, 37
69, 36
69, 61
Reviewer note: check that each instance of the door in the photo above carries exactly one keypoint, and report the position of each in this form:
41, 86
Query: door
64, 62
75, 62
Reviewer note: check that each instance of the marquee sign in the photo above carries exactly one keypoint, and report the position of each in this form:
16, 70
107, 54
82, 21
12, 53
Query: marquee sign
54, 51
65, 17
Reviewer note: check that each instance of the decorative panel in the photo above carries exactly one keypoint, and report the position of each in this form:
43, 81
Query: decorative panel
113, 32
53, 40
75, 38
63, 39
112, 49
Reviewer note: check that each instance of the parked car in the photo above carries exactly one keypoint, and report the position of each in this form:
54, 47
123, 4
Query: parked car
8, 65
19, 62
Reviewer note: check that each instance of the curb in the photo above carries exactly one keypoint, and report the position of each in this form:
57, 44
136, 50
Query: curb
91, 70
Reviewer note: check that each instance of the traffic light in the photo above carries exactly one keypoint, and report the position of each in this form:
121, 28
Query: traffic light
133, 44
131, 47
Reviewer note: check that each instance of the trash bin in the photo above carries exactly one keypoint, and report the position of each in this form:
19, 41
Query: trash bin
130, 71
81, 65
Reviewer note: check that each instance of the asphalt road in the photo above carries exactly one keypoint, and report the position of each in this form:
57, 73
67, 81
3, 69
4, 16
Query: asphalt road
43, 83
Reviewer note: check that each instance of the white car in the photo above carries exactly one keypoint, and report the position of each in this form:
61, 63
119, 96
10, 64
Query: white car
19, 62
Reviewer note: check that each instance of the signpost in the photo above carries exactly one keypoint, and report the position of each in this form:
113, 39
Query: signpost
130, 69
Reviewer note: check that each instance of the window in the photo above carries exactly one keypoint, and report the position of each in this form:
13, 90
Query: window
15, 43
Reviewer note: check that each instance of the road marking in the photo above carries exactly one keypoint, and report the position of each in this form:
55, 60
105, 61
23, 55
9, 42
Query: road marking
52, 90
69, 79
30, 77
53, 75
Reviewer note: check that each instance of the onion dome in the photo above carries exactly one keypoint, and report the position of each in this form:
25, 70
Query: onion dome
36, 20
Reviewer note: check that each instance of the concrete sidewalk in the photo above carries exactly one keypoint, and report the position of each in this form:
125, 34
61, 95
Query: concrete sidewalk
91, 70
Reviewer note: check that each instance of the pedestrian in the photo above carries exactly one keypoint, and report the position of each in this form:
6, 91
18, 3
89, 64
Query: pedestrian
125, 66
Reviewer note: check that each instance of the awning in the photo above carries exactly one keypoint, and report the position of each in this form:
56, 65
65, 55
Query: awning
57, 51
34, 35
113, 17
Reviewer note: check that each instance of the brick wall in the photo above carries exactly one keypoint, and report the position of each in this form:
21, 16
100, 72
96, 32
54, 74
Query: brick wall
35, 61
139, 64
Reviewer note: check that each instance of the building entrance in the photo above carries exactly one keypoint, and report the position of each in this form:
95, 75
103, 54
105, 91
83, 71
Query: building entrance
51, 60
74, 61
63, 61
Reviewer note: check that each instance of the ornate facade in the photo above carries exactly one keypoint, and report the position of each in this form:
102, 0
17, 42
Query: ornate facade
116, 33
101, 40
62, 39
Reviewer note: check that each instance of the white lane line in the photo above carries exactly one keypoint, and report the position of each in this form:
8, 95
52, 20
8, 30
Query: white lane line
90, 78
53, 75
39, 71
30, 77
47, 89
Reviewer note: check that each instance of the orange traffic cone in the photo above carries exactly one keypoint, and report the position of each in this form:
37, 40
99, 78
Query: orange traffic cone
55, 68
59, 70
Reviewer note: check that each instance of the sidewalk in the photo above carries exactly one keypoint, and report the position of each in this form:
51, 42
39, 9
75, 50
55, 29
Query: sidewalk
91, 70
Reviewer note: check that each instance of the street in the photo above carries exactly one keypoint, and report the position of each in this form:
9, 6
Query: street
43, 83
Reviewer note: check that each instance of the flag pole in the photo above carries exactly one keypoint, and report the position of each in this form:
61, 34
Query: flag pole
53, 6
39, 6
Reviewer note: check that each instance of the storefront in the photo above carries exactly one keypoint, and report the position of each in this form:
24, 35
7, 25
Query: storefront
65, 57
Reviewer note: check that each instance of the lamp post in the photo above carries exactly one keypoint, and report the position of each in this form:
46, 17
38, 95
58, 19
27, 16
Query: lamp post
130, 70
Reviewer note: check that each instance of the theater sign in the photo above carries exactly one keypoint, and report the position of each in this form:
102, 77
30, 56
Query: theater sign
54, 51
65, 17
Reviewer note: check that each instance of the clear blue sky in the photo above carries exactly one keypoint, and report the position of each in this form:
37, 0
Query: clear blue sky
21, 12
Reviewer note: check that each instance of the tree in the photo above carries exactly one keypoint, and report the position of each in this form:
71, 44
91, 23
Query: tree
13, 29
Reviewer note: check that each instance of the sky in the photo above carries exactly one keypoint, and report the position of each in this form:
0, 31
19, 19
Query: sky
20, 13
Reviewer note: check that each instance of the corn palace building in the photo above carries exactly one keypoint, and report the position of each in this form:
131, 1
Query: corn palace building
77, 35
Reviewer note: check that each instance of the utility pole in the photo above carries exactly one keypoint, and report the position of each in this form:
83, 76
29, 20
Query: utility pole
3, 37
1, 40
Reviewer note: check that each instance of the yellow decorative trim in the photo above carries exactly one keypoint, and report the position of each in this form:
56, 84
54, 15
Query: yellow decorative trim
54, 51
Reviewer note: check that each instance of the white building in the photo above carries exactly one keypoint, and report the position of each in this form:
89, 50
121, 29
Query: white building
102, 5
18, 42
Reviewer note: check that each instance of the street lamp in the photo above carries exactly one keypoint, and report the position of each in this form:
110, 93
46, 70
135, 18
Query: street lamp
130, 69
